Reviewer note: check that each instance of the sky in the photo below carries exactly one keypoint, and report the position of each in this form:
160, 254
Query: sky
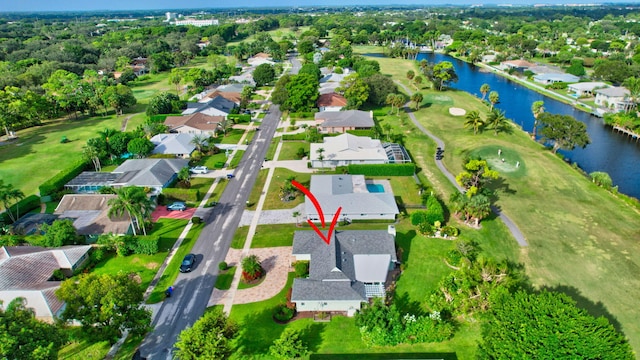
87, 5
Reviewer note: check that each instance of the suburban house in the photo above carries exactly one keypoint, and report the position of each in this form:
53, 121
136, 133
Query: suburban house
197, 124
90, 214
25, 271
234, 97
259, 59
218, 106
552, 78
139, 66
614, 98
179, 144
348, 271
517, 65
154, 174
359, 199
341, 121
29, 224
587, 89
348, 149
331, 102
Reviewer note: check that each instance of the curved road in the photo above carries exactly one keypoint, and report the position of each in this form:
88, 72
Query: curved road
193, 290
515, 231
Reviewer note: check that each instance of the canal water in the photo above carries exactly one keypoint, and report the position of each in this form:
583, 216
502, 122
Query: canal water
611, 152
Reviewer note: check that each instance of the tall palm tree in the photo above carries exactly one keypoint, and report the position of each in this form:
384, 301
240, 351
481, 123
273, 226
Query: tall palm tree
399, 101
200, 141
497, 120
320, 153
390, 100
91, 153
106, 134
484, 90
8, 194
134, 201
537, 108
474, 121
417, 99
185, 177
633, 85
224, 125
494, 98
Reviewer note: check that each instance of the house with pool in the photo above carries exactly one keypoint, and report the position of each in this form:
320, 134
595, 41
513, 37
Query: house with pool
346, 149
359, 199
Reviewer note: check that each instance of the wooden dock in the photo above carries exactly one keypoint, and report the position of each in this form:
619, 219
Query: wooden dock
629, 133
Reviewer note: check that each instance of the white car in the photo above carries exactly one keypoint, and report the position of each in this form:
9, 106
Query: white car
199, 170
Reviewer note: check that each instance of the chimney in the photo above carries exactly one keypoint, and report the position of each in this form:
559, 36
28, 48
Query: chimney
371, 114
391, 229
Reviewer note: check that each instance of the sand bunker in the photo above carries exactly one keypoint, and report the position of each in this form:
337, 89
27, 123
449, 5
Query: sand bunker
457, 111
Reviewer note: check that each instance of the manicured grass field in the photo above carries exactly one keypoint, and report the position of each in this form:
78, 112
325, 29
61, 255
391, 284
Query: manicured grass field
236, 159
273, 235
254, 197
290, 149
202, 184
279, 177
581, 237
233, 136
224, 280
272, 148
210, 161
239, 237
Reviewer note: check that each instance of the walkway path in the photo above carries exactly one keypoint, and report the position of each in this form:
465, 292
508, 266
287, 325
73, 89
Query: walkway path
515, 231
284, 216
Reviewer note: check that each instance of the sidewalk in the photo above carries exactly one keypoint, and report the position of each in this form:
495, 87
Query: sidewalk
229, 298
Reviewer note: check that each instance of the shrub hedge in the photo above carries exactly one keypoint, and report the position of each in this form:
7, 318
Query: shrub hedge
182, 194
299, 136
146, 245
239, 118
434, 212
61, 178
24, 206
383, 169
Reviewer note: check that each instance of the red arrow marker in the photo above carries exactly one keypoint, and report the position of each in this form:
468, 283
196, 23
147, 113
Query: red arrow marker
316, 204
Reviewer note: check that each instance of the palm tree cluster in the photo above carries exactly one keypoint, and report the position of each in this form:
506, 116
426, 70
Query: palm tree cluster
395, 100
472, 209
134, 201
9, 194
496, 120
251, 268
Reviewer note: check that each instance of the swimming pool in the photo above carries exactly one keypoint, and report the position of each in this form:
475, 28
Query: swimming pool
375, 188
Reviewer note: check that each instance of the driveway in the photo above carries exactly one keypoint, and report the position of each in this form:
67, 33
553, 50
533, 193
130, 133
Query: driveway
162, 212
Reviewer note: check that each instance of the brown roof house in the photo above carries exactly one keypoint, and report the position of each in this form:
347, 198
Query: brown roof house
90, 214
341, 121
198, 123
259, 59
331, 102
25, 271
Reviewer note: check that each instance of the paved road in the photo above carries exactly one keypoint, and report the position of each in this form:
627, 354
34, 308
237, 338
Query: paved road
295, 64
513, 228
193, 290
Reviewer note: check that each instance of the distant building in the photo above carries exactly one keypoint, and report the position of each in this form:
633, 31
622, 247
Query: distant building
198, 123
198, 23
341, 121
548, 79
518, 65
614, 98
586, 88
171, 16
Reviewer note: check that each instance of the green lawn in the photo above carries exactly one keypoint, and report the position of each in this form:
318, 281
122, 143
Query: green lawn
210, 161
202, 184
145, 266
273, 198
171, 271
240, 237
290, 149
236, 159
257, 189
217, 193
225, 278
565, 218
273, 235
233, 136
272, 148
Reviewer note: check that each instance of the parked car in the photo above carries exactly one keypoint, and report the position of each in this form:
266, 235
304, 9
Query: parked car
188, 263
199, 170
230, 176
177, 206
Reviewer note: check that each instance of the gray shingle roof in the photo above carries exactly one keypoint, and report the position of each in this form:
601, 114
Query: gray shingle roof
355, 118
148, 172
338, 271
176, 144
90, 214
218, 103
615, 91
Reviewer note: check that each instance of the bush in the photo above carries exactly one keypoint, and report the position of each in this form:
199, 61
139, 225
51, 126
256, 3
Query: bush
223, 266
434, 212
450, 231
21, 207
383, 169
218, 165
296, 137
283, 313
301, 268
145, 245
11, 240
182, 194
61, 178
58, 275
418, 218
196, 220
239, 118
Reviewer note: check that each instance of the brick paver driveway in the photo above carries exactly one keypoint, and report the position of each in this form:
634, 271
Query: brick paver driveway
161, 211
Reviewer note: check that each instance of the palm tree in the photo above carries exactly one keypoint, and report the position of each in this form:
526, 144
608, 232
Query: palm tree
537, 108
106, 134
497, 120
494, 98
133, 201
185, 177
224, 125
484, 90
296, 214
398, 102
417, 80
320, 152
387, 130
390, 100
474, 121
251, 268
417, 99
200, 141
633, 85
7, 194
478, 207
410, 75
91, 153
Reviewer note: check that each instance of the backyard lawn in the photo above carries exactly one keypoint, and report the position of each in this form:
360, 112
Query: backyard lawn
273, 196
290, 150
